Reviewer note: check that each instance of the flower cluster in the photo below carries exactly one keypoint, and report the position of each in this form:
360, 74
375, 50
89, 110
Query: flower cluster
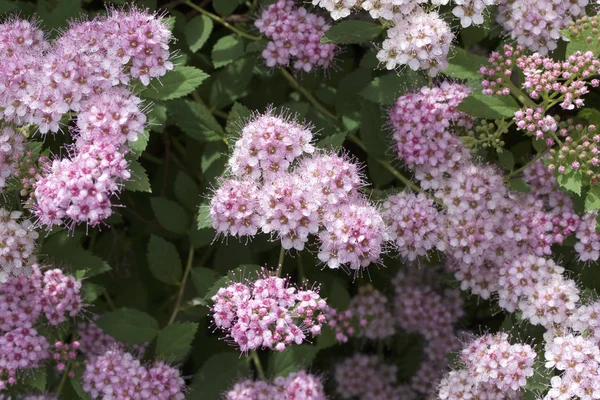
461, 385
17, 245
296, 34
119, 374
422, 123
538, 24
268, 313
296, 386
492, 359
22, 348
370, 307
63, 353
11, 151
366, 377
276, 191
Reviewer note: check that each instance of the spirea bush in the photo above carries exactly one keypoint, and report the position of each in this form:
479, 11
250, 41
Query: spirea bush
299, 200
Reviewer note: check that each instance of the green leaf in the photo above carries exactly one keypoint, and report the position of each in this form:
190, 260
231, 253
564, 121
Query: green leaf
592, 199
197, 32
571, 181
164, 261
91, 291
174, 341
177, 83
217, 374
371, 130
294, 358
76, 382
519, 185
36, 378
195, 120
170, 215
212, 152
203, 279
490, 107
348, 32
225, 7
387, 88
227, 50
56, 14
157, 117
238, 116
129, 325
338, 295
583, 41
139, 181
203, 219
334, 141
138, 147
186, 190
591, 115
63, 249
464, 65
232, 82
506, 160
237, 275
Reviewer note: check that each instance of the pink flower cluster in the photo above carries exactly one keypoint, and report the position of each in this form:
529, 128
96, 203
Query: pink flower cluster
371, 308
579, 360
535, 123
17, 245
296, 386
295, 34
493, 360
461, 385
116, 374
41, 81
63, 353
11, 151
413, 222
538, 24
276, 191
423, 123
268, 313
366, 377
22, 348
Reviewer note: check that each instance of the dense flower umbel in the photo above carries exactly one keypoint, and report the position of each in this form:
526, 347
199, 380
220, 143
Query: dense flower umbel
22, 349
460, 384
116, 374
492, 359
268, 313
295, 36
17, 245
11, 151
296, 386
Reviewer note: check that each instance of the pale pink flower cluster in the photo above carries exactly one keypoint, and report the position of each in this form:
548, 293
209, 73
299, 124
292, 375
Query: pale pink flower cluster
366, 377
22, 349
343, 323
458, 385
535, 123
414, 224
296, 386
17, 245
579, 360
295, 37
423, 123
588, 239
268, 313
538, 24
585, 320
117, 374
493, 360
11, 151
278, 189
63, 353
471, 12
371, 308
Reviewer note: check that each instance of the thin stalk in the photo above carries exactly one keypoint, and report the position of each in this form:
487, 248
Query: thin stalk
280, 261
186, 273
258, 365
221, 21
311, 99
63, 380
521, 169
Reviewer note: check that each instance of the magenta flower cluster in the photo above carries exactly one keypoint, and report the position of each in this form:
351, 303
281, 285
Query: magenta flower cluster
318, 195
84, 71
117, 374
268, 313
17, 245
295, 37
296, 386
63, 353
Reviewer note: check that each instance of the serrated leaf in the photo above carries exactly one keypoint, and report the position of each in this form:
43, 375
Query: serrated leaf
217, 374
197, 32
227, 50
490, 107
139, 181
592, 199
195, 120
203, 219
387, 88
464, 65
157, 118
225, 7
334, 141
236, 119
372, 130
63, 249
138, 147
174, 341
90, 291
212, 152
186, 190
237, 275
129, 325
506, 160
164, 261
348, 32
571, 181
36, 378
231, 83
203, 279
170, 215
294, 358
519, 185
177, 83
